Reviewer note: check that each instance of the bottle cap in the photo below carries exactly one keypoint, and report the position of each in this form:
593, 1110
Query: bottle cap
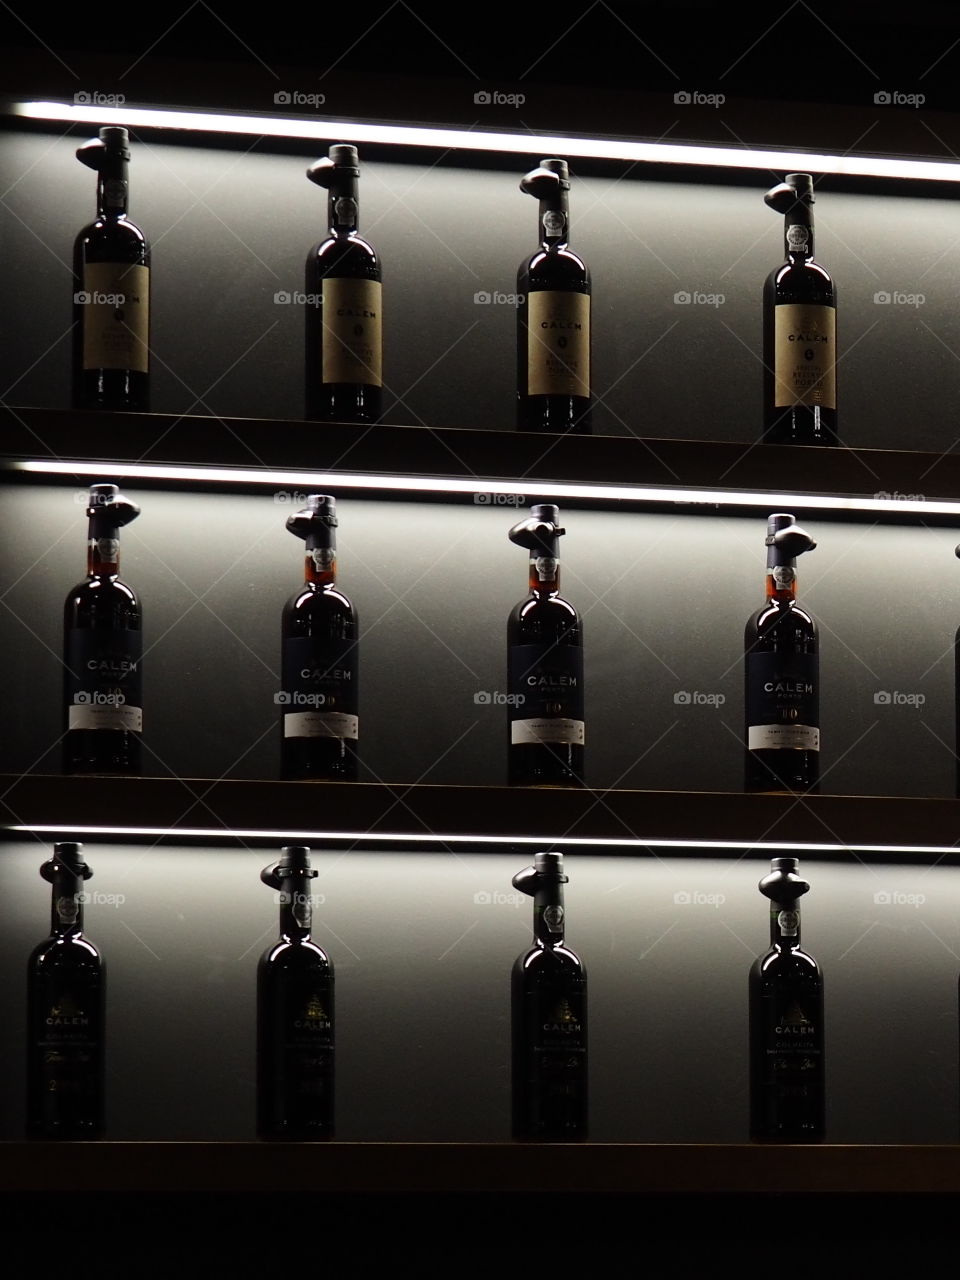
67, 856
108, 504
319, 513
343, 154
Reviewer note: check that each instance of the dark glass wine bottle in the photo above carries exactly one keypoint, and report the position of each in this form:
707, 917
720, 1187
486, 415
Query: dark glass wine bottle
549, 1016
65, 1012
553, 316
320, 659
799, 329
103, 701
545, 724
956, 697
344, 348
111, 301
782, 674
295, 1014
786, 1022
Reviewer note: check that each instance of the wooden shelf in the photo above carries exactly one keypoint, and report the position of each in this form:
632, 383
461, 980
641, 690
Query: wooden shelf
311, 448
504, 1168
384, 814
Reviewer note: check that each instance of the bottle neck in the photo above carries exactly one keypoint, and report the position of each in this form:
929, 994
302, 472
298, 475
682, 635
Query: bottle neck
555, 221
112, 187
798, 233
781, 583
785, 926
548, 915
544, 574
103, 551
320, 566
66, 904
343, 206
296, 909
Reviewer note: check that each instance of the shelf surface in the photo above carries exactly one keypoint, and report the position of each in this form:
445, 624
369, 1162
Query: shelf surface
256, 444
383, 1167
381, 813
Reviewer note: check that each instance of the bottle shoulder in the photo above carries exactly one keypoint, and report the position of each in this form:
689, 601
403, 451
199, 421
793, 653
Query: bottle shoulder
555, 268
344, 257
544, 609
66, 951
787, 963
102, 593
323, 602
775, 621
800, 278
303, 956
113, 234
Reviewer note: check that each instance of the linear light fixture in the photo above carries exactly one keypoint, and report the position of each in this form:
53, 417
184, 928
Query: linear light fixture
406, 837
327, 130
484, 491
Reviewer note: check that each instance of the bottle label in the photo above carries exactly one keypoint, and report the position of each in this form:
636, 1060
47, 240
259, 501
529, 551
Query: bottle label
558, 344
792, 1037
547, 689
783, 710
798, 237
352, 342
103, 680
805, 356
320, 694
67, 1034
551, 1059
115, 316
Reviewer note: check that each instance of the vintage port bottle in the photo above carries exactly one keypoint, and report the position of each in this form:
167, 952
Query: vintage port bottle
786, 1022
545, 718
549, 1017
956, 697
782, 674
320, 654
344, 347
103, 701
553, 315
111, 304
295, 1013
65, 1012
799, 329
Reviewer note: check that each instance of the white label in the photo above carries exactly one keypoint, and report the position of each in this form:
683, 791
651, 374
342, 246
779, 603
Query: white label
797, 237
321, 724
772, 737
527, 732
95, 715
789, 922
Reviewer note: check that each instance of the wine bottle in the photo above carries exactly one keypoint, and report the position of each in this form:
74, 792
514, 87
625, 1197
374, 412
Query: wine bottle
344, 350
111, 311
799, 329
553, 316
786, 1022
545, 724
782, 669
549, 1017
956, 697
65, 1012
103, 702
319, 659
295, 1024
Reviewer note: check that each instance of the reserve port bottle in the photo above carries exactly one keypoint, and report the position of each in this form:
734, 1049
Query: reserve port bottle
549, 1018
782, 674
545, 719
786, 1022
65, 1012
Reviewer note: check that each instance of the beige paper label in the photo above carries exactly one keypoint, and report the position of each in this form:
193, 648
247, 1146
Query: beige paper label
352, 342
805, 356
116, 316
558, 344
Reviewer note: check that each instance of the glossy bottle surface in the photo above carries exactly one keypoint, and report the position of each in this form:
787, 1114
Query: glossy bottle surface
551, 274
545, 642
786, 1047
780, 642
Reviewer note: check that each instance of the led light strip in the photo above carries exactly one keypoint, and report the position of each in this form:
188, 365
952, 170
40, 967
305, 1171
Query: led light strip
406, 837
480, 140
483, 490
